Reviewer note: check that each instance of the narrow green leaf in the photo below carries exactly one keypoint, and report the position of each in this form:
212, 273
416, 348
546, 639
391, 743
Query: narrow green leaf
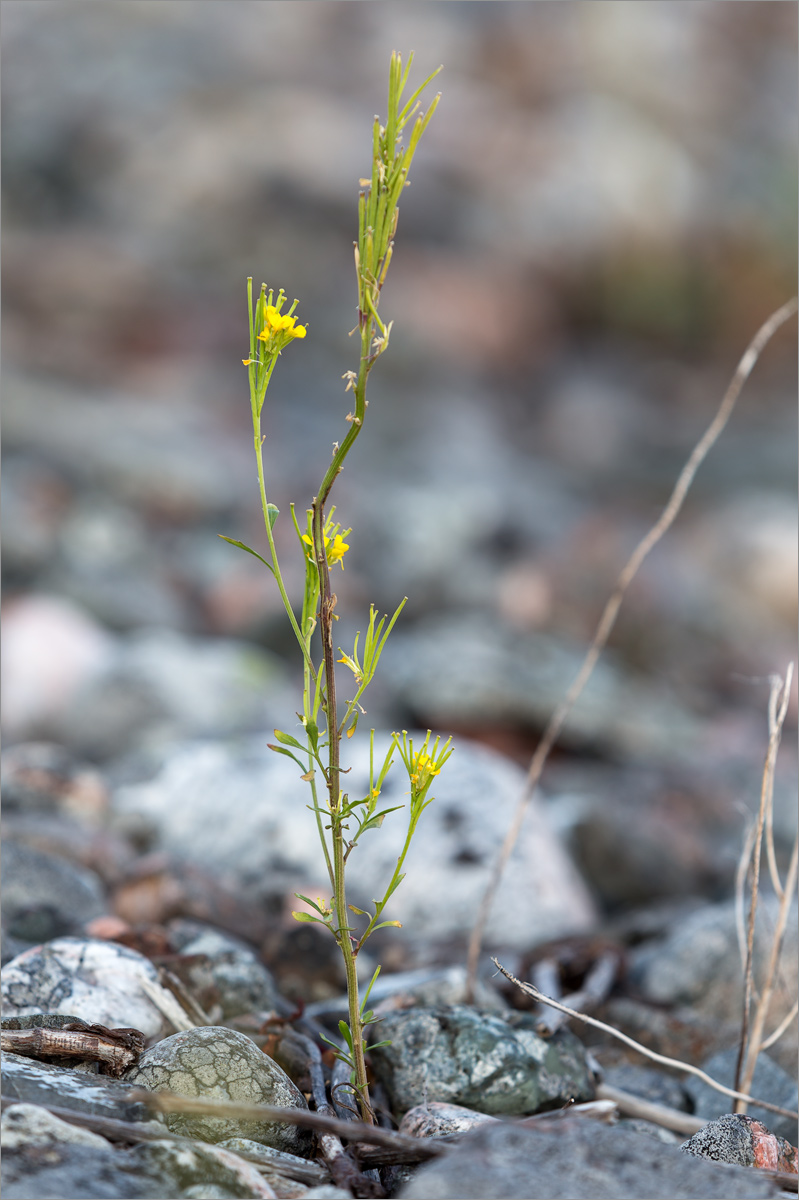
288, 754
287, 740
273, 512
385, 924
303, 916
242, 546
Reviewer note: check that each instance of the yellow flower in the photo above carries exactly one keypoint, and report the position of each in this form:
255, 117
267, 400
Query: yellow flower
424, 769
335, 553
277, 324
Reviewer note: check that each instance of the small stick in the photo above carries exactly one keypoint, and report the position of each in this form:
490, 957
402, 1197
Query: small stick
165, 1101
660, 1114
115, 1052
783, 1025
659, 1058
608, 618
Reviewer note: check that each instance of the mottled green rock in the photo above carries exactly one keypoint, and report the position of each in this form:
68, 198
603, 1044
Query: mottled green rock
215, 1063
462, 1055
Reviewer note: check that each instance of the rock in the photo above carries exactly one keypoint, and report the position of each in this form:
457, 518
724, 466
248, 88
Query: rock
30, 1125
45, 897
162, 686
65, 1171
580, 1158
698, 963
301, 1169
187, 1169
100, 982
51, 648
436, 1120
32, 1082
268, 842
219, 1064
42, 777
735, 1138
639, 835
460, 1055
469, 671
231, 974
770, 1083
649, 1084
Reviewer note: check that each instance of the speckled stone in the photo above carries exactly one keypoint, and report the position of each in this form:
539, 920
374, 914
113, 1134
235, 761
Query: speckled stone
219, 1064
461, 1055
94, 980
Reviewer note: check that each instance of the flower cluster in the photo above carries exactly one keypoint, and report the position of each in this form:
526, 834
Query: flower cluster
424, 769
279, 329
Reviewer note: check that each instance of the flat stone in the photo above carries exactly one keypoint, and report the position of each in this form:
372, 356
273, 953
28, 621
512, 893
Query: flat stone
216, 1063
94, 980
460, 1055
189, 1168
581, 1160
31, 1082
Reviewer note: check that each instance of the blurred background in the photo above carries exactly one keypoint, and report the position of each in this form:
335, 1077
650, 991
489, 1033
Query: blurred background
601, 215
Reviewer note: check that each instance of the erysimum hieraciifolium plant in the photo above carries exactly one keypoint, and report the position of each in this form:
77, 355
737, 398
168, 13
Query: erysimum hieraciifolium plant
343, 820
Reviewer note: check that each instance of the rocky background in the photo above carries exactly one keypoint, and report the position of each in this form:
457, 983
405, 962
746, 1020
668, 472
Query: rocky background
601, 215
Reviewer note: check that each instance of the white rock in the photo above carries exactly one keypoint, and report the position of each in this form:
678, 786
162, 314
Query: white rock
95, 980
244, 813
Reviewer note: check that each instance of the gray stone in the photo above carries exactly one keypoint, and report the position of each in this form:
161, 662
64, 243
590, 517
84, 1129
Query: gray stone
461, 1055
649, 1084
30, 1082
215, 1063
194, 1170
727, 1140
231, 975
162, 686
66, 1171
30, 1125
698, 962
45, 896
97, 981
466, 670
581, 1160
290, 1164
267, 840
770, 1083
435, 1119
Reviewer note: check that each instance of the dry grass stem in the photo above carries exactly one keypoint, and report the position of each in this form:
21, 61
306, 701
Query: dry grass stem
781, 1028
608, 618
529, 990
749, 1046
660, 1114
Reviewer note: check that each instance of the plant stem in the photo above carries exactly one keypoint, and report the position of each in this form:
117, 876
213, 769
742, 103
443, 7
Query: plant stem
327, 603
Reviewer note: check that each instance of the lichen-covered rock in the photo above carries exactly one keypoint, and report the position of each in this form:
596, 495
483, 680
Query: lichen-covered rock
215, 1063
31, 1082
94, 980
737, 1138
195, 1170
769, 1082
462, 1055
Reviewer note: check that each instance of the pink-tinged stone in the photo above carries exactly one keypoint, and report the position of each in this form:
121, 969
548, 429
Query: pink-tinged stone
772, 1151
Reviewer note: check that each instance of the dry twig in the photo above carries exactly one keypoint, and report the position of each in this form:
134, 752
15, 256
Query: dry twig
608, 618
750, 1043
529, 990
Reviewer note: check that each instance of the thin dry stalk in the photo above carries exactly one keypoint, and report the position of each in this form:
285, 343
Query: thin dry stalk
631, 1105
608, 618
783, 1025
761, 1012
780, 692
529, 990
